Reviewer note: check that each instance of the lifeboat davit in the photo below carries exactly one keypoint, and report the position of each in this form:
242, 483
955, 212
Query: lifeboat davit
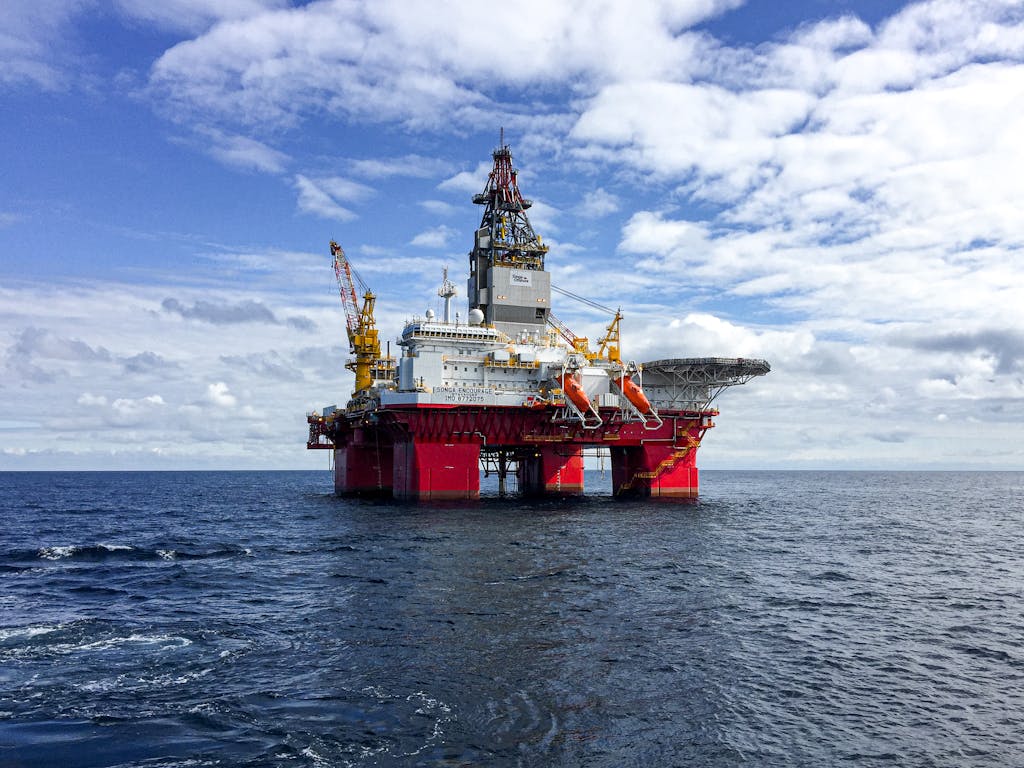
634, 394
574, 391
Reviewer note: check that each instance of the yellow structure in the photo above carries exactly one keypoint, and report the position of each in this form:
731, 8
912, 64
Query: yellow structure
363, 338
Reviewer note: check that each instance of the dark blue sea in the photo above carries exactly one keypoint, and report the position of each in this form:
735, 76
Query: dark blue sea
255, 619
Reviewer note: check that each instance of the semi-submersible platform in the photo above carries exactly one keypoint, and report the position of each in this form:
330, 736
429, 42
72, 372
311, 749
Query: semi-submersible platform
511, 389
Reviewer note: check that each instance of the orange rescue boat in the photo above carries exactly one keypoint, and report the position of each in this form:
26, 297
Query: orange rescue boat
634, 394
574, 391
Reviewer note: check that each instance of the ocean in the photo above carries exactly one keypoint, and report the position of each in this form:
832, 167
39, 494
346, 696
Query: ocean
255, 619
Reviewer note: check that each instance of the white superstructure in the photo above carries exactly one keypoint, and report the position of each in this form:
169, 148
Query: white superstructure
451, 363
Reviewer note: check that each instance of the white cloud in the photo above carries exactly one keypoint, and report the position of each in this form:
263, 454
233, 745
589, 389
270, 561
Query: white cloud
96, 412
470, 182
438, 207
679, 244
416, 166
33, 47
597, 203
218, 394
323, 197
716, 131
125, 378
246, 153
194, 15
436, 237
341, 56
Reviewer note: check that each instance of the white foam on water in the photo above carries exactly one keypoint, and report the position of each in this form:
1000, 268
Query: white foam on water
60, 552
167, 554
428, 703
56, 553
166, 642
101, 686
314, 756
431, 707
26, 632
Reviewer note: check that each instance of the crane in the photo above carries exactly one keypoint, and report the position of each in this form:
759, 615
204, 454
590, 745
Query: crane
363, 340
579, 344
608, 345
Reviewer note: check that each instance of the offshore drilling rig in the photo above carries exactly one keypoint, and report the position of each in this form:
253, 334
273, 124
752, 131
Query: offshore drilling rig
511, 387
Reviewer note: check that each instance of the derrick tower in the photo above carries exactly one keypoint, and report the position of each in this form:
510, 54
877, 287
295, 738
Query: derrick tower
507, 280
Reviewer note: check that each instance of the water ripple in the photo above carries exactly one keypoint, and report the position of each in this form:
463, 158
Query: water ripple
251, 619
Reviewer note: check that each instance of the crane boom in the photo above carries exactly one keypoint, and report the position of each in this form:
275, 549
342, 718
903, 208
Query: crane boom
578, 343
347, 289
608, 345
363, 339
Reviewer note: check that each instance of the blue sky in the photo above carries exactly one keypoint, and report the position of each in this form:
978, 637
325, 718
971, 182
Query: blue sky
836, 187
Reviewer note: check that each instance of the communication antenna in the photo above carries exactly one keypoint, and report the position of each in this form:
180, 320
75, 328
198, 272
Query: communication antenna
446, 292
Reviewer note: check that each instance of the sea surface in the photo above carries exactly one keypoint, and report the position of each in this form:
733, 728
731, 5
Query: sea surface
255, 619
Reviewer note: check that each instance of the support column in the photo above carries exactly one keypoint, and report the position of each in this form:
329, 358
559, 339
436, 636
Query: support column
655, 469
431, 470
554, 470
363, 466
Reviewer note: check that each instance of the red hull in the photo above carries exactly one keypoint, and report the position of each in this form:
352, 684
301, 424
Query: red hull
433, 452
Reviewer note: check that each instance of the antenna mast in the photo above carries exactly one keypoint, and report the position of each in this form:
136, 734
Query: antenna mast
446, 292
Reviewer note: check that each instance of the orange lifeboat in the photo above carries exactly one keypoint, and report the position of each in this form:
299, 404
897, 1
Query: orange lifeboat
634, 394
574, 391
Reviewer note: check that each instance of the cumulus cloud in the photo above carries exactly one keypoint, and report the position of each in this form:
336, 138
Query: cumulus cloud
227, 313
272, 365
597, 203
301, 323
677, 244
469, 182
221, 313
146, 362
218, 394
39, 355
1004, 345
341, 57
706, 335
41, 343
121, 412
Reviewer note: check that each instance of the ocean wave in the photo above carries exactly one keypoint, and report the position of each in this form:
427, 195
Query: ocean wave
24, 646
166, 642
26, 633
102, 551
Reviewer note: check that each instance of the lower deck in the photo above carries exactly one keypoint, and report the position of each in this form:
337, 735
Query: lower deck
437, 453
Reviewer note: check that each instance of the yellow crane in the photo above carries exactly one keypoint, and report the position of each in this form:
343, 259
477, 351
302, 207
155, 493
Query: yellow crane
363, 340
579, 344
608, 346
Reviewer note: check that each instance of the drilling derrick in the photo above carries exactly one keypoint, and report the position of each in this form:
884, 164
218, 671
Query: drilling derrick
507, 281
